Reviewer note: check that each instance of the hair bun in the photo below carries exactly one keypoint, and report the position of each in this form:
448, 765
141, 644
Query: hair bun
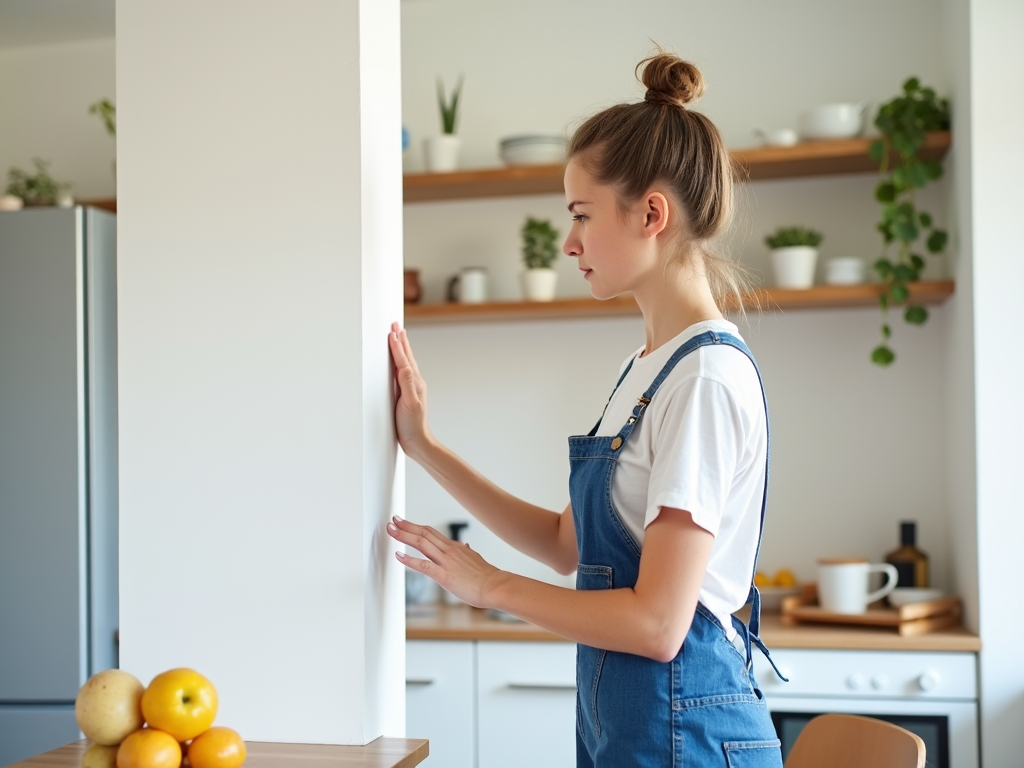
670, 80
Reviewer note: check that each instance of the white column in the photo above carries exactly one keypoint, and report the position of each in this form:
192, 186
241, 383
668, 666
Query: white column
260, 249
997, 58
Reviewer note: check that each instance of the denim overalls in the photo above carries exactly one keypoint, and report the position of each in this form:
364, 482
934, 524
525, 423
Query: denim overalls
703, 708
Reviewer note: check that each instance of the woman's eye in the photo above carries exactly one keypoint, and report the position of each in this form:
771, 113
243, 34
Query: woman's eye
578, 217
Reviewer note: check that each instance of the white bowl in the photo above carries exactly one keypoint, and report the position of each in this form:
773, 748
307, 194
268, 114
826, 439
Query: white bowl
533, 154
907, 595
845, 270
832, 121
532, 138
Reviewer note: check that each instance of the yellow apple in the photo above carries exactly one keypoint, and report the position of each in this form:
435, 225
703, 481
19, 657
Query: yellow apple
180, 702
108, 706
99, 756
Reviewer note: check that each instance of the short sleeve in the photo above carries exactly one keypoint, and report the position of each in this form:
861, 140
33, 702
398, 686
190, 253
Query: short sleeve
697, 437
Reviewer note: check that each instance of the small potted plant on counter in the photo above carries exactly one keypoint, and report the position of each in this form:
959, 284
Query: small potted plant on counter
39, 188
539, 254
441, 153
794, 254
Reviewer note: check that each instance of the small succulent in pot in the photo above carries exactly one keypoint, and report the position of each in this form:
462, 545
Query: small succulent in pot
36, 189
794, 254
787, 237
539, 249
539, 254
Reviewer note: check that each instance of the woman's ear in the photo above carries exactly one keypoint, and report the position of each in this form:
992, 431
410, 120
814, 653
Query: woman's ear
656, 214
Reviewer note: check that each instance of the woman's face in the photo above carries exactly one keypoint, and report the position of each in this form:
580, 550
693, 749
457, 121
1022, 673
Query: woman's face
611, 249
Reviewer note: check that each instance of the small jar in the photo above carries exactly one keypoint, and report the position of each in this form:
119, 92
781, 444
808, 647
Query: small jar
413, 290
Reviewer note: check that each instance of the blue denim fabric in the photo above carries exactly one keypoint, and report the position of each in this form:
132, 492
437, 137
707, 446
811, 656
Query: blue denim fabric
702, 709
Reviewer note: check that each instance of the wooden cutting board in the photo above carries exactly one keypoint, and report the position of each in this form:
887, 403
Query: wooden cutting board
913, 619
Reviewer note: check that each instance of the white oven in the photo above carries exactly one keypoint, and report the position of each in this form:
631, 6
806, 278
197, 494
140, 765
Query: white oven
935, 695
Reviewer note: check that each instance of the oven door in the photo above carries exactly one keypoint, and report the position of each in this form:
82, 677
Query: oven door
948, 729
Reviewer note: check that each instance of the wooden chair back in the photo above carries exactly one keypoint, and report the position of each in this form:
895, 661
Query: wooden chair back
849, 741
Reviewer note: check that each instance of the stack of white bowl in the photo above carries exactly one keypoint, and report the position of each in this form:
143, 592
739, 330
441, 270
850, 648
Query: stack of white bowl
533, 149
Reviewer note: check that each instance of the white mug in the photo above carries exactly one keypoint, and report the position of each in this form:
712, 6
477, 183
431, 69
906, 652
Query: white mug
843, 584
469, 286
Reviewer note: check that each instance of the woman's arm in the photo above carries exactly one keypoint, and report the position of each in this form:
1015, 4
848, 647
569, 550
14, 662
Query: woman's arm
543, 534
651, 619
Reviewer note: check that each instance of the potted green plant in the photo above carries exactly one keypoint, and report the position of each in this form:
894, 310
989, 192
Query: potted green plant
106, 111
539, 254
904, 123
39, 188
441, 153
794, 254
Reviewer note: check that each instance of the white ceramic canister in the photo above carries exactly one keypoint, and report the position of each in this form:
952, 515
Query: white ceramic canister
845, 270
794, 266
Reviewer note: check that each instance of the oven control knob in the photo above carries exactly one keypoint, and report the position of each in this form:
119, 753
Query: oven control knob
929, 680
879, 682
856, 682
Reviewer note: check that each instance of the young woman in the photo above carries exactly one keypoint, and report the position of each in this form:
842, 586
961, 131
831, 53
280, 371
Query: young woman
667, 492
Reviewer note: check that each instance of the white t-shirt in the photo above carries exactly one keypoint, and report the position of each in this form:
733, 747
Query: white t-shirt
700, 446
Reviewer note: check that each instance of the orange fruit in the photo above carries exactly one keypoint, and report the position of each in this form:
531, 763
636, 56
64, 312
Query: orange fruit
785, 578
181, 702
761, 580
149, 748
217, 747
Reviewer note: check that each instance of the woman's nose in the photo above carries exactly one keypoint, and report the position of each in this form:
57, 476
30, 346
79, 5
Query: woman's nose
571, 247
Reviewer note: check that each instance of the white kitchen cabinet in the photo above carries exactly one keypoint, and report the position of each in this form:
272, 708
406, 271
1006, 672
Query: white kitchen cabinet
440, 691
492, 704
526, 704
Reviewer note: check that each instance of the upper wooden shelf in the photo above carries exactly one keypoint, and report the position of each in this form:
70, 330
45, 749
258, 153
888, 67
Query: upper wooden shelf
767, 299
811, 158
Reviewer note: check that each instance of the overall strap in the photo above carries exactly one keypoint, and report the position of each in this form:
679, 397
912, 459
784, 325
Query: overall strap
710, 338
615, 389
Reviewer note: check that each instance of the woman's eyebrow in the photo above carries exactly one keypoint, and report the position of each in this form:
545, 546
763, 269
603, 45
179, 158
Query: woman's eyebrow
574, 203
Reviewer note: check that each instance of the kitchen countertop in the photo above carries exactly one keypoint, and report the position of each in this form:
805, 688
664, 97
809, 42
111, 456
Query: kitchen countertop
461, 622
380, 753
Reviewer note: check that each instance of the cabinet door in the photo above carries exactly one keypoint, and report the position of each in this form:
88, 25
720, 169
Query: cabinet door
440, 680
526, 695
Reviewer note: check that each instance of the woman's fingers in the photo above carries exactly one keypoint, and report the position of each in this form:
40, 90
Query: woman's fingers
407, 348
421, 537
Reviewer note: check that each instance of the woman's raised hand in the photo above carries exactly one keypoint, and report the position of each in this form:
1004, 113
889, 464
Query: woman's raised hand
411, 409
451, 564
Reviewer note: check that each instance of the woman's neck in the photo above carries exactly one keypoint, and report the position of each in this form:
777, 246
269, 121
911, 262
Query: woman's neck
672, 305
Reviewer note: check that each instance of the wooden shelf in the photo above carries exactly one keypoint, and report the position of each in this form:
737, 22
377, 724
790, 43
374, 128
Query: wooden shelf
811, 158
768, 299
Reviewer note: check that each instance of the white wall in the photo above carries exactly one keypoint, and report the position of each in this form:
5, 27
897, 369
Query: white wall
45, 94
259, 268
856, 448
996, 56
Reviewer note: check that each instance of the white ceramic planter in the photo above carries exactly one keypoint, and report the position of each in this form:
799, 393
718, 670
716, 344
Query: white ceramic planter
794, 266
441, 153
845, 270
539, 284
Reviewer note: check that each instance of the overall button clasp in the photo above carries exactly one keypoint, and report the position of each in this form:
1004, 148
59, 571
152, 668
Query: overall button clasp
616, 443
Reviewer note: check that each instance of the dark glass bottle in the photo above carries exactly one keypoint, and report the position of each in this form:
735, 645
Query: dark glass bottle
911, 563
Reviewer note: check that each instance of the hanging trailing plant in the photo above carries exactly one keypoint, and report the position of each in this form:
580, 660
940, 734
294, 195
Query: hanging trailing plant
903, 123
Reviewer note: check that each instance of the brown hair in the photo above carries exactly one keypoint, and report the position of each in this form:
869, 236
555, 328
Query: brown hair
660, 140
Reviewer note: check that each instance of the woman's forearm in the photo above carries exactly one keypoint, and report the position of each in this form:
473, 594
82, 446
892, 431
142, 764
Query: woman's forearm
531, 529
612, 619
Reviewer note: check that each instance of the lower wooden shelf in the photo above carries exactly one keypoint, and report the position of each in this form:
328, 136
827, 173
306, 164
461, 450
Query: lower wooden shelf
767, 299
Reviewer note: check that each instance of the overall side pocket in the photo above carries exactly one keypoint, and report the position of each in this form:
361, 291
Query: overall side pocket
589, 661
753, 754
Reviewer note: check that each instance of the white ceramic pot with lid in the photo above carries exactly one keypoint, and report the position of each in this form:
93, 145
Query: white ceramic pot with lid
833, 121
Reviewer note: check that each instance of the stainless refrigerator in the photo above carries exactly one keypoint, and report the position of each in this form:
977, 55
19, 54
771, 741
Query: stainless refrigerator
58, 469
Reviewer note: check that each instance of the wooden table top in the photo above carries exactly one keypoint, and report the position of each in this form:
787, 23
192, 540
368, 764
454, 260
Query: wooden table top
381, 753
461, 622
